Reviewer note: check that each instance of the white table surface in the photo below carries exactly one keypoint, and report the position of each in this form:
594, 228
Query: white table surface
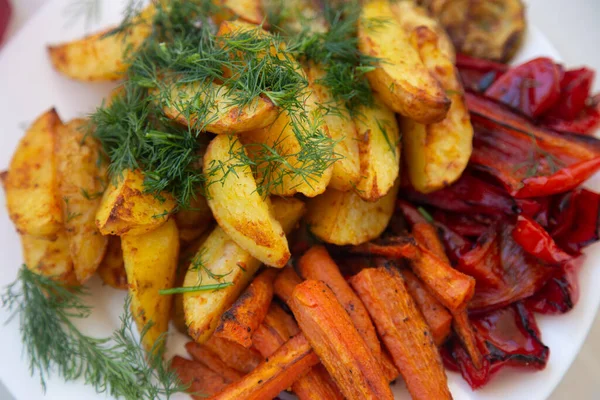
574, 29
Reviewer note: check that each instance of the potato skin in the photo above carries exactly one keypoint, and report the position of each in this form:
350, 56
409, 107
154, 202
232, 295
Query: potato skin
81, 182
379, 150
220, 255
237, 205
343, 218
98, 57
151, 265
437, 154
125, 208
32, 197
400, 78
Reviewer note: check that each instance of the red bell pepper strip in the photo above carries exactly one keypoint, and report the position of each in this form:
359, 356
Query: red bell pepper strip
585, 123
575, 221
575, 89
536, 241
531, 88
561, 293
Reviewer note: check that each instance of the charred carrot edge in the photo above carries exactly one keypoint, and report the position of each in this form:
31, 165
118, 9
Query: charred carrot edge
436, 316
202, 380
204, 355
317, 264
338, 344
285, 283
427, 235
272, 334
246, 314
290, 362
404, 332
233, 355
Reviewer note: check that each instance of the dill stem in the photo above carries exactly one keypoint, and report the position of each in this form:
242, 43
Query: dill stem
190, 289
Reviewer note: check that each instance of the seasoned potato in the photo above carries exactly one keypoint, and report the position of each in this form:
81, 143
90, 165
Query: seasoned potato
125, 208
238, 207
112, 268
437, 154
344, 218
222, 117
412, 16
248, 10
400, 78
100, 57
219, 260
379, 146
49, 257
491, 29
81, 182
346, 170
151, 265
32, 198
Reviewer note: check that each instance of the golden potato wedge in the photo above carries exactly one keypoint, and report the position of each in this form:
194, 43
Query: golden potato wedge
344, 218
412, 16
237, 205
437, 154
379, 147
151, 265
32, 198
49, 257
248, 10
346, 170
82, 180
112, 268
222, 116
125, 208
220, 260
101, 56
400, 78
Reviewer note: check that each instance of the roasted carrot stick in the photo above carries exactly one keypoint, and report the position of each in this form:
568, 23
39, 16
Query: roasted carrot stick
340, 347
275, 330
246, 314
205, 356
202, 380
404, 332
436, 316
402, 247
233, 355
316, 264
426, 235
290, 362
285, 283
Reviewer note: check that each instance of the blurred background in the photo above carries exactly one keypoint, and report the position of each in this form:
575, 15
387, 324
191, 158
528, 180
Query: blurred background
572, 27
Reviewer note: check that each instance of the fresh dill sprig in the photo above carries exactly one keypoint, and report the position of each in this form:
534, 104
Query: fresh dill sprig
118, 365
192, 289
88, 10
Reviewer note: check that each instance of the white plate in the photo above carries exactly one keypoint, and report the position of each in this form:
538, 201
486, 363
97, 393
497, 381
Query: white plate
28, 86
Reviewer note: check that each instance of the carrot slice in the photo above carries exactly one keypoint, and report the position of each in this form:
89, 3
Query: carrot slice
290, 362
426, 235
340, 347
246, 314
316, 264
205, 356
404, 332
436, 316
235, 356
202, 380
285, 283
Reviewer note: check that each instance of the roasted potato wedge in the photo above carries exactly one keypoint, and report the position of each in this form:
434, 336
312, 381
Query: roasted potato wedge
151, 265
248, 10
222, 116
437, 154
220, 259
237, 205
412, 16
49, 257
112, 268
32, 198
491, 29
101, 56
346, 170
344, 218
82, 180
379, 147
400, 78
126, 208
